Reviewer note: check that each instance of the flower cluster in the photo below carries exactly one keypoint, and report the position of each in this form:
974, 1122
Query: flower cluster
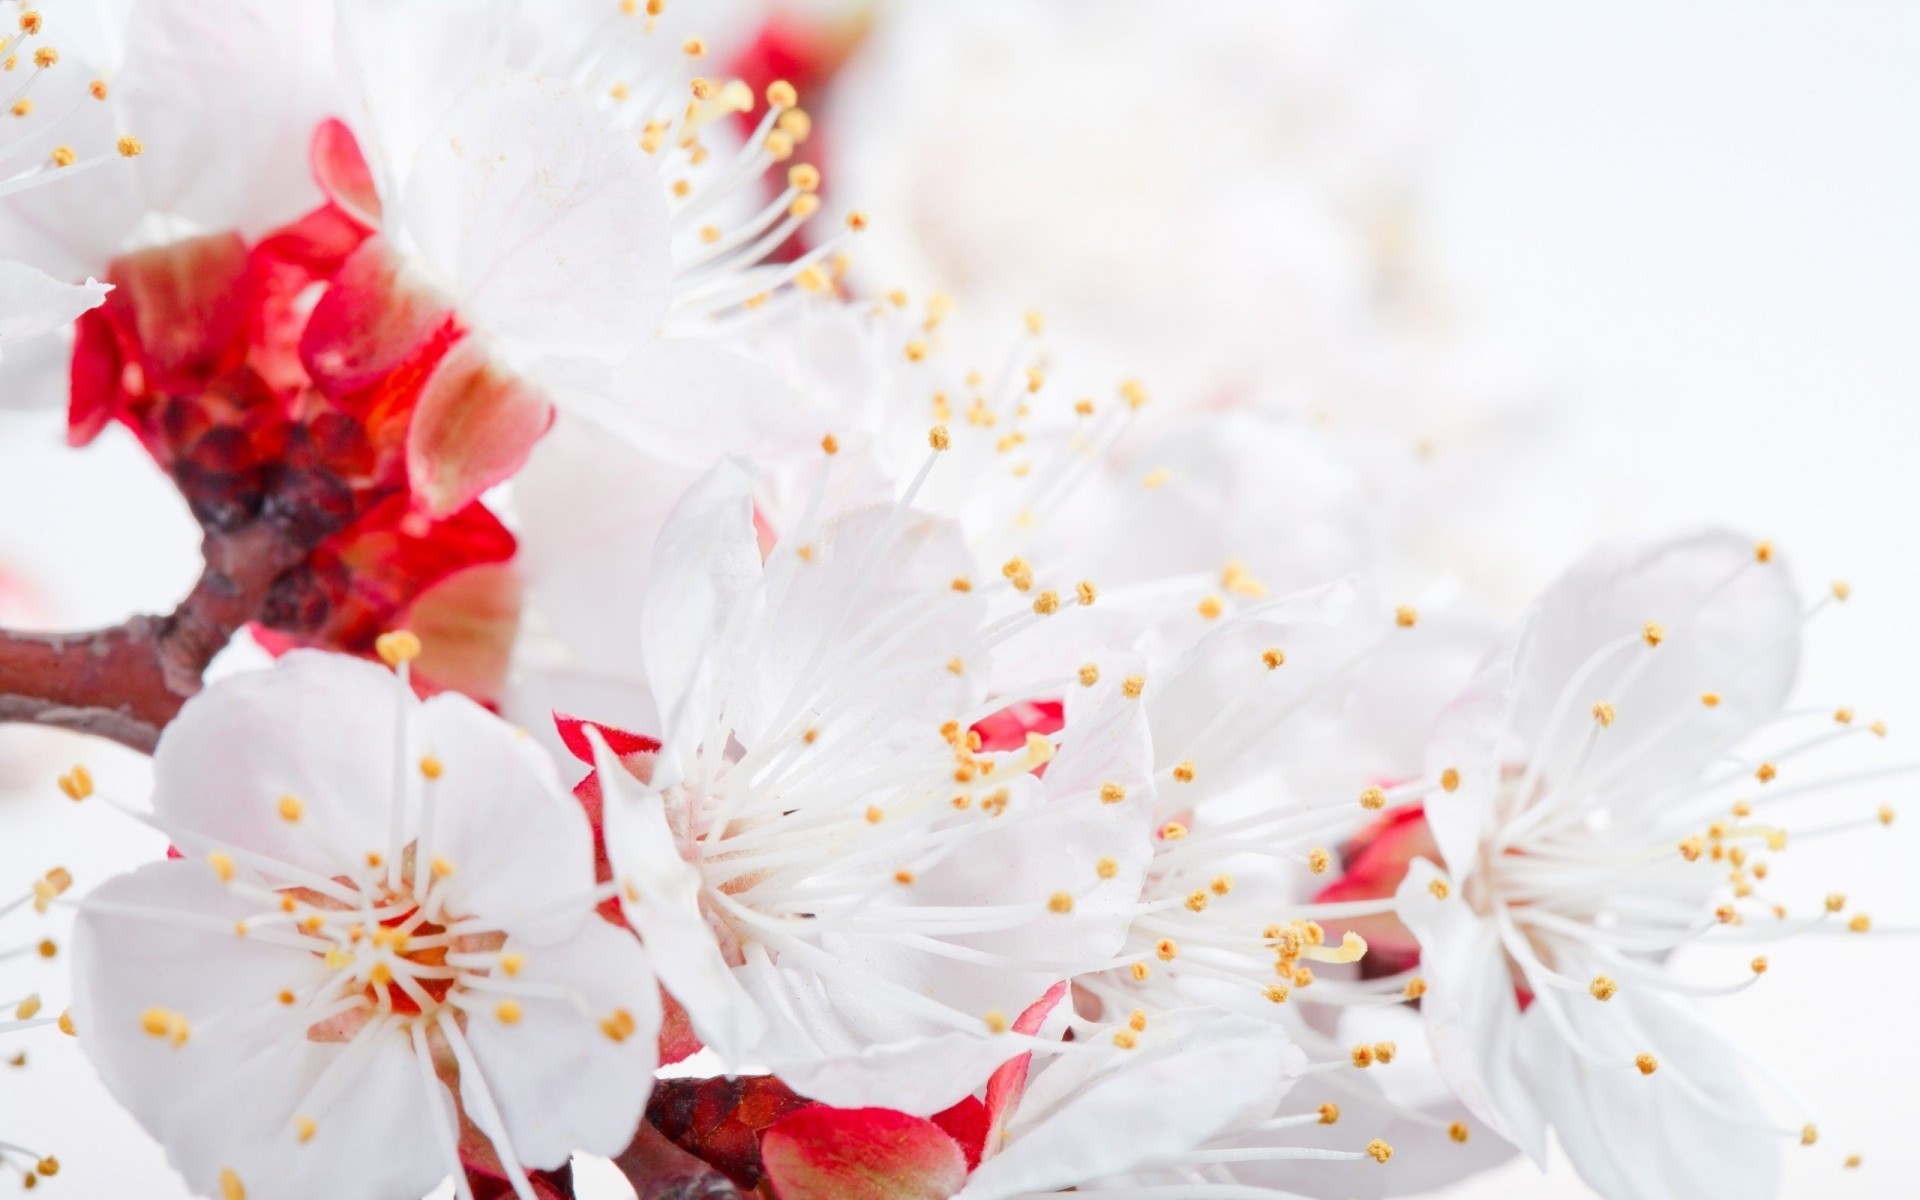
717, 714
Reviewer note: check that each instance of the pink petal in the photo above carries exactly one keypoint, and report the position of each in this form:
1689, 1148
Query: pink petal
475, 424
341, 171
860, 1154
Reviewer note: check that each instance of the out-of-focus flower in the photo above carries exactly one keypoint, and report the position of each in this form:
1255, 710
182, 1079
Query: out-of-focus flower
33, 302
19, 1013
832, 872
379, 962
1608, 798
1239, 206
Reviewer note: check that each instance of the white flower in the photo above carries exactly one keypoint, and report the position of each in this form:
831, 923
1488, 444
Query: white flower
384, 923
1611, 806
832, 874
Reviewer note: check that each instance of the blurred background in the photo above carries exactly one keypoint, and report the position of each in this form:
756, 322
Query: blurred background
1550, 272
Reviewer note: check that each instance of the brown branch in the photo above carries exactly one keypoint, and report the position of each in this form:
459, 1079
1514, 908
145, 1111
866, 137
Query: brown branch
126, 682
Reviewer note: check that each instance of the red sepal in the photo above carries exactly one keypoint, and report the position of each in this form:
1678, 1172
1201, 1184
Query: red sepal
823, 1153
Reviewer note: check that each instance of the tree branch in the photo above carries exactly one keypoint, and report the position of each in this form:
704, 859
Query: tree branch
127, 681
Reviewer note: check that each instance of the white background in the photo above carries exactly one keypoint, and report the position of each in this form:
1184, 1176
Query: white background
1699, 220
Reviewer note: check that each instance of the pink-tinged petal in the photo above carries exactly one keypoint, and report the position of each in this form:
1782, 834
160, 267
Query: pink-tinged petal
1473, 1018
573, 734
95, 378
375, 314
860, 1154
466, 623
562, 1080
920, 1075
548, 225
689, 402
1376, 860
33, 302
342, 172
476, 422
186, 303
1009, 1082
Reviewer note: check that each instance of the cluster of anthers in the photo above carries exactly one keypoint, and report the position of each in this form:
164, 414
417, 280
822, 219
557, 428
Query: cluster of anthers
30, 58
21, 1013
726, 242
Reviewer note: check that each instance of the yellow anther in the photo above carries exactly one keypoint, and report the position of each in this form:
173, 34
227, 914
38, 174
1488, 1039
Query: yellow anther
779, 145
1765, 772
27, 1009
1318, 860
1808, 1135
1184, 771
1406, 616
1139, 971
1383, 1052
1089, 674
1124, 1039
1843, 716
23, 107
381, 975
98, 89
1112, 793
1085, 592
47, 948
1885, 814
1274, 657
1727, 914
903, 876
1439, 889
337, 958
1172, 831
1209, 607
1329, 1114
961, 584
857, 221
1166, 949
397, 646
996, 1021
1197, 900
1763, 552
1853, 1161
1416, 988
164, 1023
63, 156
440, 867
1060, 902
1046, 603
1647, 1063
1362, 1056
618, 1025
1155, 478
1137, 1020
1710, 699
1379, 1151
1106, 868
938, 439
781, 94
1132, 686
305, 1128
507, 1012
803, 177
290, 808
222, 865
1759, 965
1603, 713
1133, 392
1373, 799
1879, 728
1603, 987
1276, 993
1450, 780
230, 1186
1860, 923
65, 1024
875, 814
1653, 633
77, 784
1690, 848
1842, 590
1458, 1132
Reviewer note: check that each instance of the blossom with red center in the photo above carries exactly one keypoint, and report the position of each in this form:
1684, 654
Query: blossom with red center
377, 962
833, 875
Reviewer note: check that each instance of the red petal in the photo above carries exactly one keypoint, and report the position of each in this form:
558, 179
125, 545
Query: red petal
185, 305
1009, 1080
373, 317
966, 1123
341, 172
467, 624
1376, 861
677, 1038
475, 424
860, 1154
94, 391
573, 734
1008, 728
